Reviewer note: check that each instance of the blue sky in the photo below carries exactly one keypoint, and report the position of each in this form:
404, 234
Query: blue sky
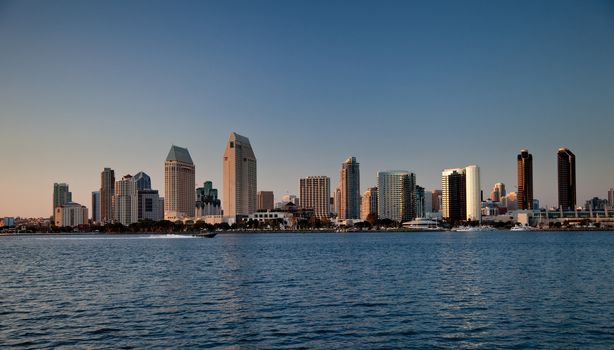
409, 85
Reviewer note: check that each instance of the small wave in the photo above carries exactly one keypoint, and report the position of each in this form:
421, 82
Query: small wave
169, 236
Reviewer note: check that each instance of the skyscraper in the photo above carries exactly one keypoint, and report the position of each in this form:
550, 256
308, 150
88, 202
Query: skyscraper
125, 201
179, 184
420, 202
61, 195
349, 183
473, 193
454, 202
337, 201
436, 196
265, 200
95, 206
207, 202
498, 192
611, 198
525, 180
315, 194
107, 191
240, 180
566, 179
142, 181
369, 203
149, 207
396, 195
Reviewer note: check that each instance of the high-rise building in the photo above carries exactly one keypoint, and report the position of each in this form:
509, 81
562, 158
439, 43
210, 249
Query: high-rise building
396, 195
498, 192
511, 201
70, 214
240, 180
369, 203
461, 199
337, 201
473, 193
314, 193
125, 201
525, 180
61, 195
207, 202
436, 197
611, 197
148, 199
566, 179
142, 181
107, 191
265, 200
95, 206
349, 183
454, 192
179, 184
420, 202
596, 204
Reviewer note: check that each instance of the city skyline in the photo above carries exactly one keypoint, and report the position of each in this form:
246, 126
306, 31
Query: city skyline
458, 83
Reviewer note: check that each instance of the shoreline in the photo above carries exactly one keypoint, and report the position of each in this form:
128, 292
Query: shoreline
247, 232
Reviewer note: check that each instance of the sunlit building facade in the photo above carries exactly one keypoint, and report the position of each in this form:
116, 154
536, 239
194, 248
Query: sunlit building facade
396, 195
179, 184
314, 193
240, 177
349, 184
369, 203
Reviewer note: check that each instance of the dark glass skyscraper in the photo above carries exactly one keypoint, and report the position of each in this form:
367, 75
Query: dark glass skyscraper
107, 190
525, 180
566, 162
349, 183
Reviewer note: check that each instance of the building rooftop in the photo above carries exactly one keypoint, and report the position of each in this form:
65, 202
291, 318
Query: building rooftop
179, 154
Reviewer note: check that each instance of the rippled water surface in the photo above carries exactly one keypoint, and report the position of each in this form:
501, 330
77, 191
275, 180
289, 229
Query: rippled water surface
373, 290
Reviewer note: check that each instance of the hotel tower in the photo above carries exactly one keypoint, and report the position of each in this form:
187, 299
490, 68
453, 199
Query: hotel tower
240, 179
525, 180
566, 164
179, 184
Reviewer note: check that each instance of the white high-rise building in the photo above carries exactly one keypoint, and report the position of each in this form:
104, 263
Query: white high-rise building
396, 192
461, 194
125, 201
240, 181
473, 193
70, 214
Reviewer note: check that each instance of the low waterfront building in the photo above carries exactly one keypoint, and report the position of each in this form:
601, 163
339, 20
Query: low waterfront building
71, 214
270, 216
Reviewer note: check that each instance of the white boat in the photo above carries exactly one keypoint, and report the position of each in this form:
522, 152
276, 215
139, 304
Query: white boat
522, 228
422, 224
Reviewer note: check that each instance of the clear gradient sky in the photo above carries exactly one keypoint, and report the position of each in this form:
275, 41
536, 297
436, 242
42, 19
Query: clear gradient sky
410, 85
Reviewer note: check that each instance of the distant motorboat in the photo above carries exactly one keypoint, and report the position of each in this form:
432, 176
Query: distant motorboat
205, 234
519, 227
